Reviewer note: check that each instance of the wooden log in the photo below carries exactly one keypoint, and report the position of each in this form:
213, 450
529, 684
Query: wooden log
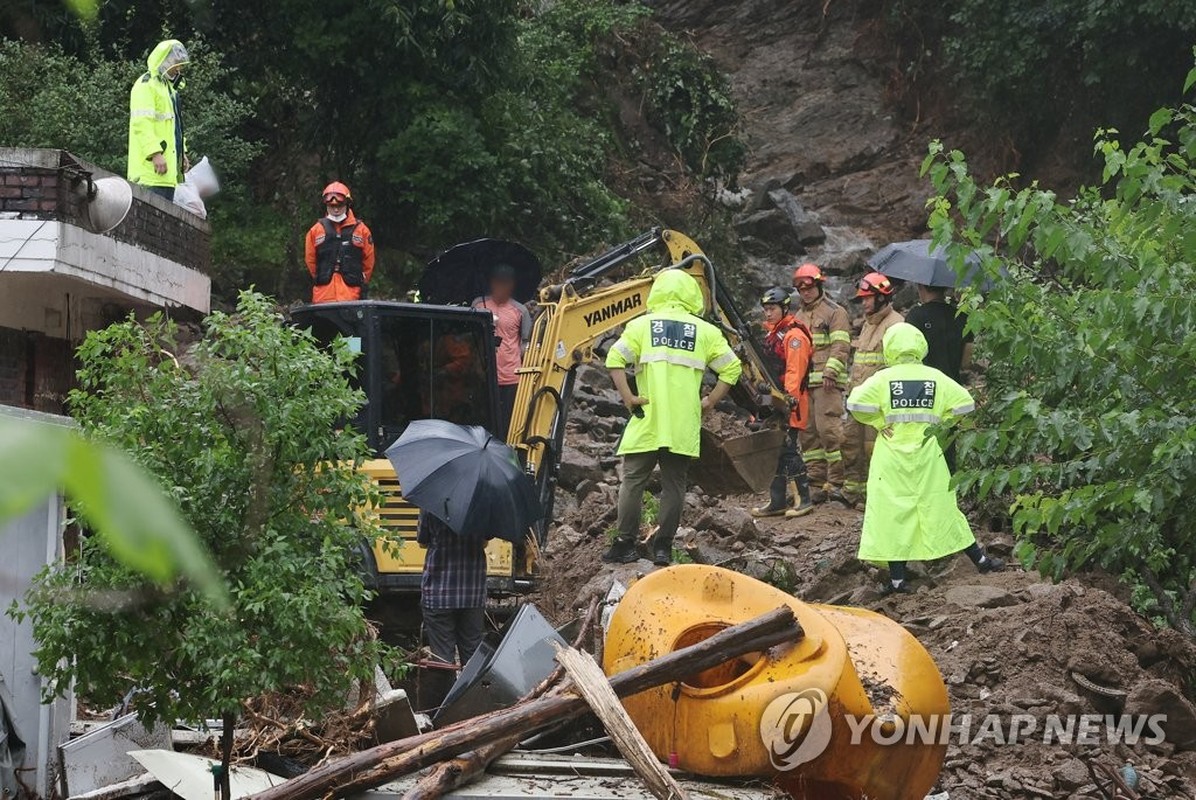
463, 769
370, 768
587, 677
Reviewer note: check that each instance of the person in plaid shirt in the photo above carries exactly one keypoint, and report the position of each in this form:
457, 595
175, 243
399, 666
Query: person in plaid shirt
452, 591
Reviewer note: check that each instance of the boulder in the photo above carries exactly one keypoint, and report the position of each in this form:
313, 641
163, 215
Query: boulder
733, 523
1155, 696
576, 467
804, 224
980, 596
768, 232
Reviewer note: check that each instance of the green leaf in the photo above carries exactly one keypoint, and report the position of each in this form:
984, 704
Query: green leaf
35, 459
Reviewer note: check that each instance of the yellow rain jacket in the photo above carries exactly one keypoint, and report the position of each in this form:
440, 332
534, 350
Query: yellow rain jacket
911, 514
155, 123
671, 349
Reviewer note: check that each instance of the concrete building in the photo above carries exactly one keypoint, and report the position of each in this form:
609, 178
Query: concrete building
59, 279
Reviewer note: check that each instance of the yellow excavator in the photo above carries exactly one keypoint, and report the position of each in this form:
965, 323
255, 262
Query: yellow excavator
825, 718
421, 360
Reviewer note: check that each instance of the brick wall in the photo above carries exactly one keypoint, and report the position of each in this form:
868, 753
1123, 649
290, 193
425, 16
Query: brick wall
36, 371
14, 347
47, 189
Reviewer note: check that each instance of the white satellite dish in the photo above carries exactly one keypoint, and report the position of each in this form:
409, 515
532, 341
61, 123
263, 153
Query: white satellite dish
108, 202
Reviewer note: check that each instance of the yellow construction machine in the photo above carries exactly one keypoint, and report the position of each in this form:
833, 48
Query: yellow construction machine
421, 360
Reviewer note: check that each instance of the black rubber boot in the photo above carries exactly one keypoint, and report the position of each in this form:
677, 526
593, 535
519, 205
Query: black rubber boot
776, 499
662, 552
802, 504
622, 551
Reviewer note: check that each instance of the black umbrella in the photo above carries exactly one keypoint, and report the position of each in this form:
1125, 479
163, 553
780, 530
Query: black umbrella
917, 262
465, 477
462, 273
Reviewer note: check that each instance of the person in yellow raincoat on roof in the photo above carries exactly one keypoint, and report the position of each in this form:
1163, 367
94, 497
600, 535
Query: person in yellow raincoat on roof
157, 146
912, 513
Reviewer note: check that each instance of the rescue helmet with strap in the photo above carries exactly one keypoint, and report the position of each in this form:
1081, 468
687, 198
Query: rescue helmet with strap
336, 191
874, 285
775, 296
808, 274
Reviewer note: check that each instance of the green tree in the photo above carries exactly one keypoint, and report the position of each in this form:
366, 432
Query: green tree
449, 120
242, 429
1089, 421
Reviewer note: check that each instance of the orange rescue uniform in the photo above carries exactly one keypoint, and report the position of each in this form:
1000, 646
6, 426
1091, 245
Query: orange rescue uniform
336, 289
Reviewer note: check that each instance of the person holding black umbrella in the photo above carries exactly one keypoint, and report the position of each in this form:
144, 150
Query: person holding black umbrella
513, 327
948, 341
470, 488
452, 596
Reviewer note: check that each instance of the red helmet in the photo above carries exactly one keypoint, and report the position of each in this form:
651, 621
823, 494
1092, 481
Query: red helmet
873, 285
336, 189
807, 272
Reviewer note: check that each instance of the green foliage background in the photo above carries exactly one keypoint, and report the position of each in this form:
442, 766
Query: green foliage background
1087, 424
240, 429
449, 120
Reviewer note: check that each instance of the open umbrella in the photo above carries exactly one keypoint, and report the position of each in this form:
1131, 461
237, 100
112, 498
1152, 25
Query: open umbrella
462, 273
465, 477
915, 261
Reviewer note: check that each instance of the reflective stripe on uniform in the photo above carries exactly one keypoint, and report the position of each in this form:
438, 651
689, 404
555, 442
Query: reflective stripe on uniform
835, 365
869, 358
840, 336
967, 408
814, 455
932, 419
833, 456
815, 377
855, 487
821, 339
673, 358
623, 349
723, 360
864, 408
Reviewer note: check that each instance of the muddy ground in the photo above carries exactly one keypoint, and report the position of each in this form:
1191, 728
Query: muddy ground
1009, 643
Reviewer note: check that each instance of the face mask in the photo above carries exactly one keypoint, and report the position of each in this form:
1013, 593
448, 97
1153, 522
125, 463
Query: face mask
338, 216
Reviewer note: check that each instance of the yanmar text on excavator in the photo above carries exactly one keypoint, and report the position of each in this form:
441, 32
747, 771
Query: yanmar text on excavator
420, 361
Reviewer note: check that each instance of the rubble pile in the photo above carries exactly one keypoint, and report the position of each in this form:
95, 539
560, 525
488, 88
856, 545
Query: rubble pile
1011, 644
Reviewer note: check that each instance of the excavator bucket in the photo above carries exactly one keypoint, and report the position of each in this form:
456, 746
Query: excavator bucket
739, 462
854, 709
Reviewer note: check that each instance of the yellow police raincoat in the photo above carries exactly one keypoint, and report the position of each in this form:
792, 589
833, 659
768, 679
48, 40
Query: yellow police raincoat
671, 349
155, 123
912, 514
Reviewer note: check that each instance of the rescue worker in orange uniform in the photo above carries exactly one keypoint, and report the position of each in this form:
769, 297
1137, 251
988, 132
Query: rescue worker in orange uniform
831, 333
339, 250
789, 348
875, 291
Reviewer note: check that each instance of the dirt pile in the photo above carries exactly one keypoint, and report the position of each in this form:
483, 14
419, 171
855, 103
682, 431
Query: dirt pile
1008, 644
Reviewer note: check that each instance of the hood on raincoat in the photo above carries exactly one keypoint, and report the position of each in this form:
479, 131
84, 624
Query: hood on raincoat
167, 54
904, 344
675, 290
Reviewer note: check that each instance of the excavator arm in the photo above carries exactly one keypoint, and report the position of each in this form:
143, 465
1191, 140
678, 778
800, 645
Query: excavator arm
580, 315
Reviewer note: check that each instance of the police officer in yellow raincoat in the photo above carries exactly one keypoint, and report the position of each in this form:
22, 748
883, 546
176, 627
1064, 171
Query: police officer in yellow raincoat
671, 348
912, 514
157, 146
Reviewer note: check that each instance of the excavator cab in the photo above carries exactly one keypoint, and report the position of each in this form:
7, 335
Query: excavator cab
415, 362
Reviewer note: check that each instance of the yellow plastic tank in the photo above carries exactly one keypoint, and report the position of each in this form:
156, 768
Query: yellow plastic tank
855, 709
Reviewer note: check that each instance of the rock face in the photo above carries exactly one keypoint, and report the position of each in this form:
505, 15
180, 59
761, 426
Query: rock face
827, 154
